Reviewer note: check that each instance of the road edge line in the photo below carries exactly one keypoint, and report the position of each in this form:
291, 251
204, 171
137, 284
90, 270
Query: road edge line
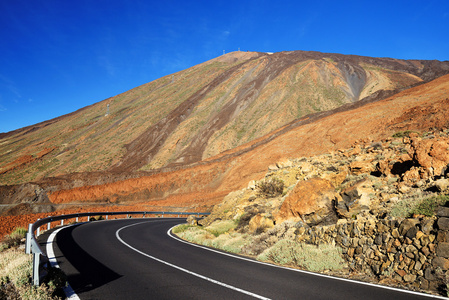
68, 290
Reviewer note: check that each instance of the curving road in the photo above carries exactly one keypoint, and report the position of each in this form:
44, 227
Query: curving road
137, 259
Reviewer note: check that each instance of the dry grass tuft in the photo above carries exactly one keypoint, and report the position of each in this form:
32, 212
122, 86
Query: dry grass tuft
311, 257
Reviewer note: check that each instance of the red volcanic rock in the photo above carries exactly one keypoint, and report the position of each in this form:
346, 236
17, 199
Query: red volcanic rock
431, 154
310, 200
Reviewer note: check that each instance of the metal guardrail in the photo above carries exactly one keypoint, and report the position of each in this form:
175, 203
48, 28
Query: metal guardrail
40, 259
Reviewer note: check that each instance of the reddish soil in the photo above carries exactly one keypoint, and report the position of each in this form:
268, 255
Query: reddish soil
25, 159
20, 216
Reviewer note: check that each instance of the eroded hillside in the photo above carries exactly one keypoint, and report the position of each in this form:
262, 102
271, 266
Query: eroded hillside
189, 139
205, 184
200, 112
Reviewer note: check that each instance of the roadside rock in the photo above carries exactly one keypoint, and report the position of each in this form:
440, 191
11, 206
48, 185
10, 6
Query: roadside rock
441, 185
384, 168
259, 223
192, 220
311, 201
360, 167
431, 154
412, 176
336, 178
354, 199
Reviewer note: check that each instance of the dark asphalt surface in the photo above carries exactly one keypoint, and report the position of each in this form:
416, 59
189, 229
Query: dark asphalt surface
100, 266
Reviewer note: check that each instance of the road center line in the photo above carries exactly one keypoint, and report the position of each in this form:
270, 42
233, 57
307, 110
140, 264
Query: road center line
182, 269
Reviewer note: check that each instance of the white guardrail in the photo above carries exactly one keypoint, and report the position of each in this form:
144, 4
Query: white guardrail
40, 260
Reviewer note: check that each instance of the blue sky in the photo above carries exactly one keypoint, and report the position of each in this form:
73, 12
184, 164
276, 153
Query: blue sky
58, 56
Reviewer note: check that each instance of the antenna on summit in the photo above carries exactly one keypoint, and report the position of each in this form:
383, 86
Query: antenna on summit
223, 52
107, 110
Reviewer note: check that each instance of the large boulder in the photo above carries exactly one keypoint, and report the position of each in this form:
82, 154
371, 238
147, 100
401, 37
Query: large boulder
311, 201
354, 199
431, 154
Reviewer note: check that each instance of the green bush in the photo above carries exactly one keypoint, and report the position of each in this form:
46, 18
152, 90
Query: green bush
419, 205
401, 134
231, 242
55, 279
404, 207
428, 206
270, 188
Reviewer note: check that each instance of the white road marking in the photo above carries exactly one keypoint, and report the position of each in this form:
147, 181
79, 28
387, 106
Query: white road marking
302, 271
182, 269
69, 292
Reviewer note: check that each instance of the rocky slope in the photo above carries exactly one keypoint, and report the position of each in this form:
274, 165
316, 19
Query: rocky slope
374, 204
227, 119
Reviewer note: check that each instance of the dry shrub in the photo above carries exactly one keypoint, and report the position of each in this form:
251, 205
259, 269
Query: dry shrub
15, 283
215, 236
196, 235
234, 242
250, 212
219, 227
14, 239
270, 188
259, 244
311, 257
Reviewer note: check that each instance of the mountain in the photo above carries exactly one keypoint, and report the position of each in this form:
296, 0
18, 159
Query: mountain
191, 137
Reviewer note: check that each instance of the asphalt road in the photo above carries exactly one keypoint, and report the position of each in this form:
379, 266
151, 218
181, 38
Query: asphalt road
137, 259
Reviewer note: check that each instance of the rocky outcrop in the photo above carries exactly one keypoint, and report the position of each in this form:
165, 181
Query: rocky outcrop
311, 201
432, 155
363, 200
354, 199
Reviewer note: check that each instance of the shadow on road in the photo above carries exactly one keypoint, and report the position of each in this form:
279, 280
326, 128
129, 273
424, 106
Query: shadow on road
85, 272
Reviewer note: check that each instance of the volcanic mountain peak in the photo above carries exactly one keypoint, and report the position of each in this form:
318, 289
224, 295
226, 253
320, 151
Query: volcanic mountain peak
199, 115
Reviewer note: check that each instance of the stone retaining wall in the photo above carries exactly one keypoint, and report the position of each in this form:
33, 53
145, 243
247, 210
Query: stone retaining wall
413, 251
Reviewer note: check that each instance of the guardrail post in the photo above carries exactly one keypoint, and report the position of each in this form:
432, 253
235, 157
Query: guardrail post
36, 262
38, 230
88, 218
28, 240
62, 222
107, 216
76, 219
162, 214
